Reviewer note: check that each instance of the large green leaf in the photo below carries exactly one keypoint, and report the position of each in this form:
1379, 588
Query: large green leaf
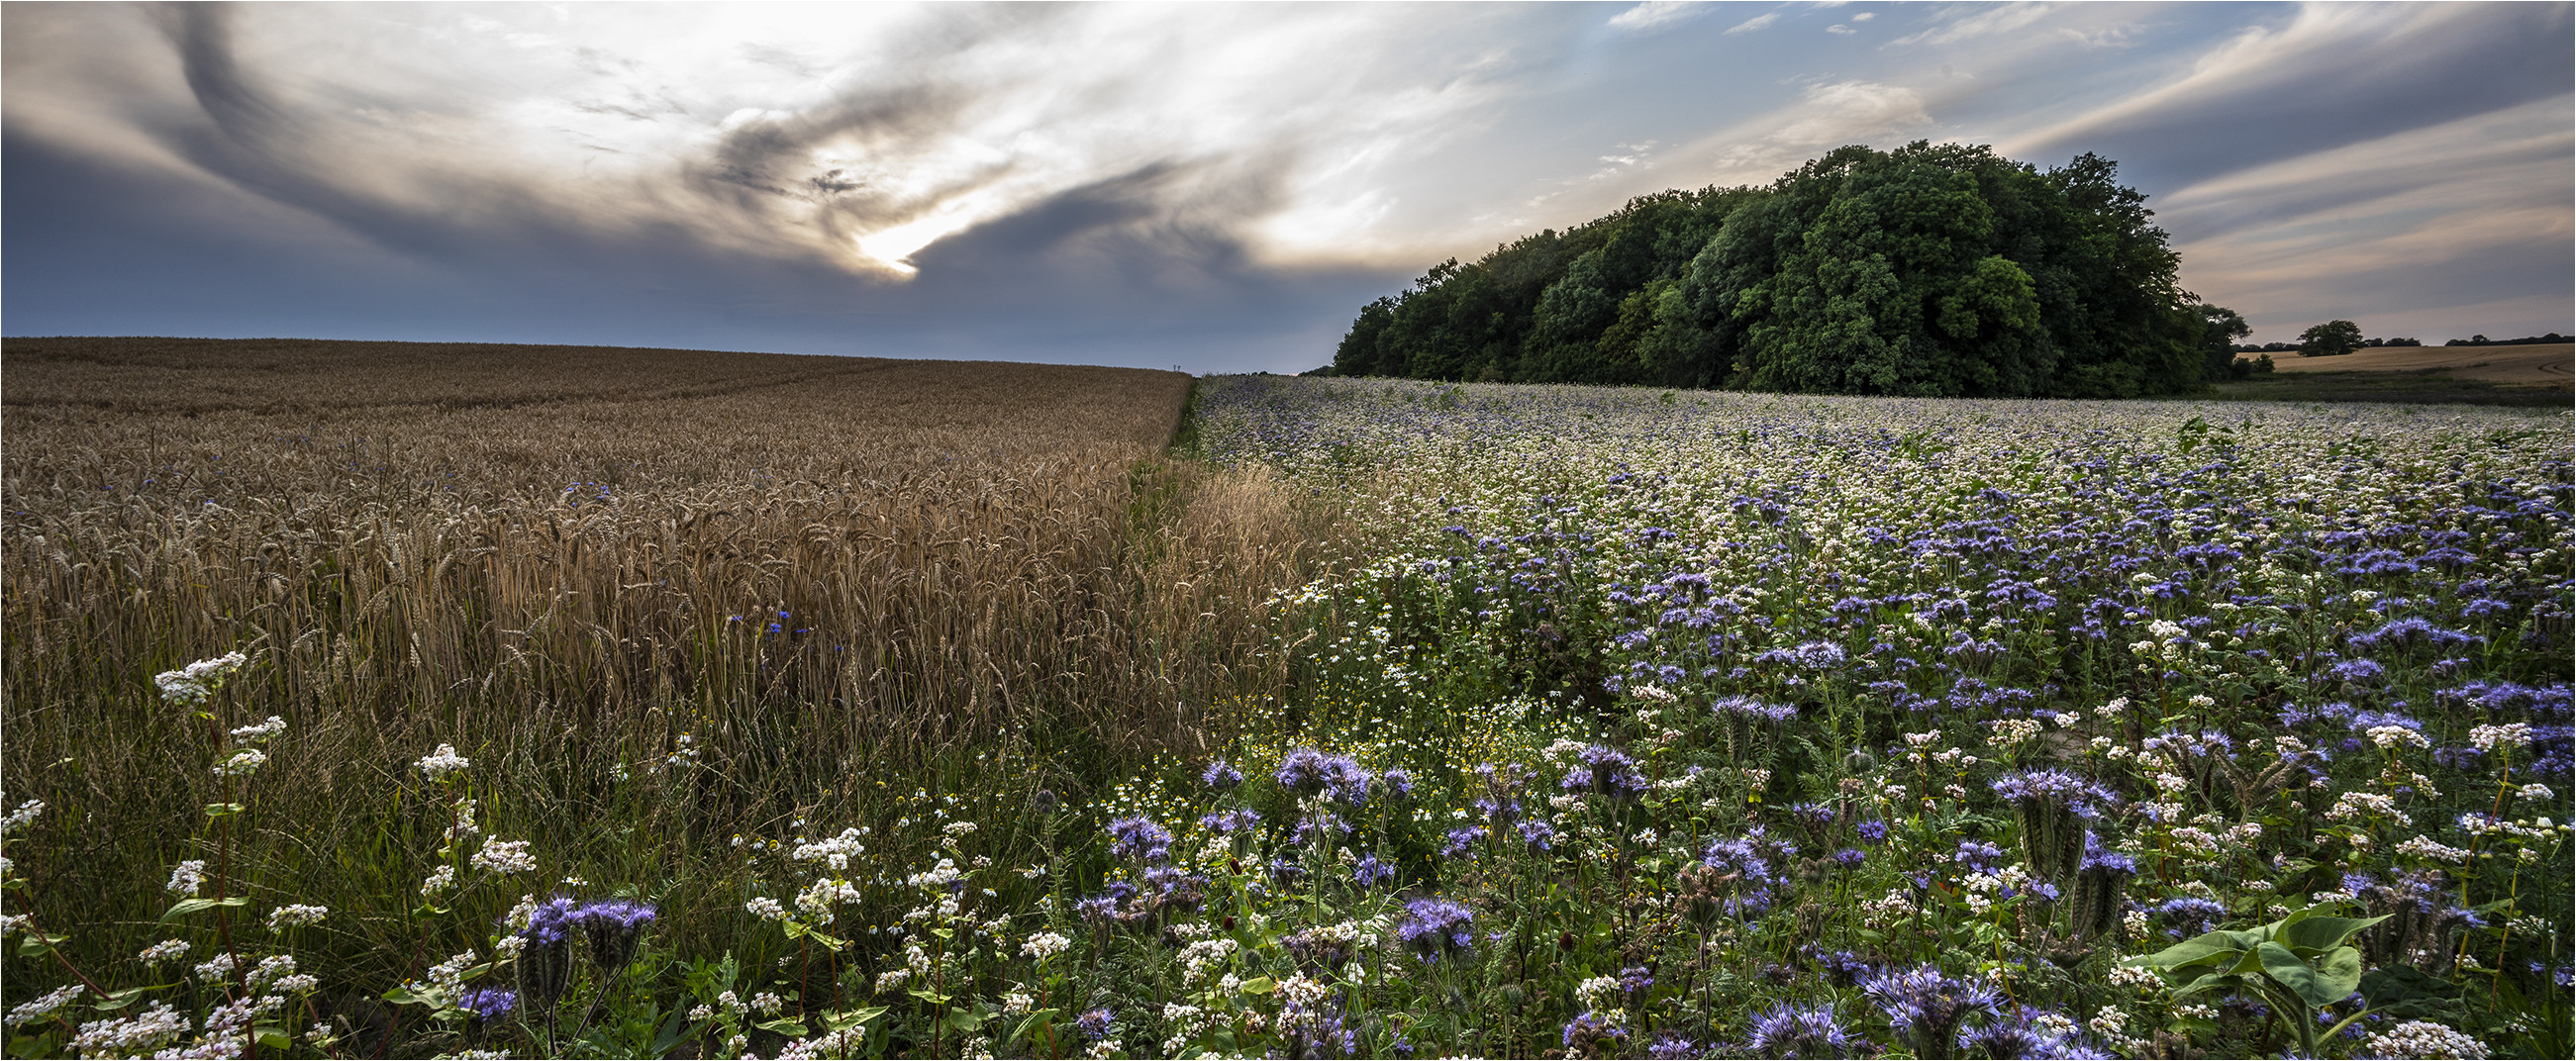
2208, 948
2318, 989
2317, 935
2403, 992
2340, 973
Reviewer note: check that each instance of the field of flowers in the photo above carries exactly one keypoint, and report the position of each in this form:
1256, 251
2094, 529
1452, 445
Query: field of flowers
1640, 724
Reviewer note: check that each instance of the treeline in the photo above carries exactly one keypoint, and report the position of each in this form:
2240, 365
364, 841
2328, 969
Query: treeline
1940, 270
2474, 340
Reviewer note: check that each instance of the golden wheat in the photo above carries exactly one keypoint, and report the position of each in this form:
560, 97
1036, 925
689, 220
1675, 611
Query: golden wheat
565, 560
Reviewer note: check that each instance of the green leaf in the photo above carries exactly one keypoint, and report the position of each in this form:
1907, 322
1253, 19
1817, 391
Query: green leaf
2209, 948
2317, 935
190, 906
852, 1018
2403, 992
2211, 982
274, 1038
402, 997
2291, 971
787, 1026
964, 1020
2339, 974
1259, 985
218, 810
116, 1000
1036, 1019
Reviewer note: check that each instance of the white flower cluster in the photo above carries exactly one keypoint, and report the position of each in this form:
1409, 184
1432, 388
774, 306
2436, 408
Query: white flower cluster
439, 880
192, 685
242, 764
219, 967
835, 852
2392, 737
261, 731
1196, 958
2362, 804
2488, 738
939, 876
44, 1007
765, 908
143, 1034
818, 898
2418, 1038
166, 950
2425, 848
2013, 731
438, 764
296, 916
187, 877
22, 817
1045, 945
504, 856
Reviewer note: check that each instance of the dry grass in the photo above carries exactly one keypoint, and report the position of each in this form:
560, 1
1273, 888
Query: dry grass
828, 574
2537, 364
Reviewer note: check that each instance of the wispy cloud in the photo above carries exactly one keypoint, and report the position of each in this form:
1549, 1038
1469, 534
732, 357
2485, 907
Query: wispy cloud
1968, 22
1656, 14
1754, 24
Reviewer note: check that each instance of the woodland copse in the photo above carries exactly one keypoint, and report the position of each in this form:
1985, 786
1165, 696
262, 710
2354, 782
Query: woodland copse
1938, 270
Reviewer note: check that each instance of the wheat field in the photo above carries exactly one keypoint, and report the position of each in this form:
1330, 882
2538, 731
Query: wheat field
671, 597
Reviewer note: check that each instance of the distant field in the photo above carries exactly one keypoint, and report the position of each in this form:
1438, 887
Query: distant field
2539, 363
2530, 376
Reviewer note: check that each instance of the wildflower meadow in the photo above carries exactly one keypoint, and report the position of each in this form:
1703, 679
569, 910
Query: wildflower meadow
1610, 723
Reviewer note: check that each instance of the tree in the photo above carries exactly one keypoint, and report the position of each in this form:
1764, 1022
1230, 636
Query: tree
2220, 329
2331, 339
1927, 270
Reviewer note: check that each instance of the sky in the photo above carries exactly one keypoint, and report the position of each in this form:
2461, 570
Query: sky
1213, 187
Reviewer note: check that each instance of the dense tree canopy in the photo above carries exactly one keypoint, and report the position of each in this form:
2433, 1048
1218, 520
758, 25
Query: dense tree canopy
2331, 339
1931, 270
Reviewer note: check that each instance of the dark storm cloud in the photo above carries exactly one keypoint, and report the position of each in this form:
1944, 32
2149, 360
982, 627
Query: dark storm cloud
2331, 76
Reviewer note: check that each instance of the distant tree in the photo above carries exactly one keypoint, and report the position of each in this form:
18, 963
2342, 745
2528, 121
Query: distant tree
2331, 339
2220, 328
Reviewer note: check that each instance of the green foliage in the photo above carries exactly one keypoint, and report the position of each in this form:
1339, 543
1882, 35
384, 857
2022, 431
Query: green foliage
1930, 270
2298, 964
2331, 339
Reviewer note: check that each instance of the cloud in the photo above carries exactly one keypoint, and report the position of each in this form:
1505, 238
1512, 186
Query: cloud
2330, 75
1840, 30
1656, 14
845, 178
1968, 22
2393, 228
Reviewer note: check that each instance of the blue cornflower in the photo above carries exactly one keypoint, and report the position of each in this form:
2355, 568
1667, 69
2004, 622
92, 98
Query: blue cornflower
1220, 775
1435, 928
1095, 1025
1785, 1030
1928, 1008
1371, 872
1139, 838
1457, 842
487, 1003
613, 926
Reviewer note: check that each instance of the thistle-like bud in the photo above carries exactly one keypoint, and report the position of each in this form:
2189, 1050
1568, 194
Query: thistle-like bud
2101, 887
